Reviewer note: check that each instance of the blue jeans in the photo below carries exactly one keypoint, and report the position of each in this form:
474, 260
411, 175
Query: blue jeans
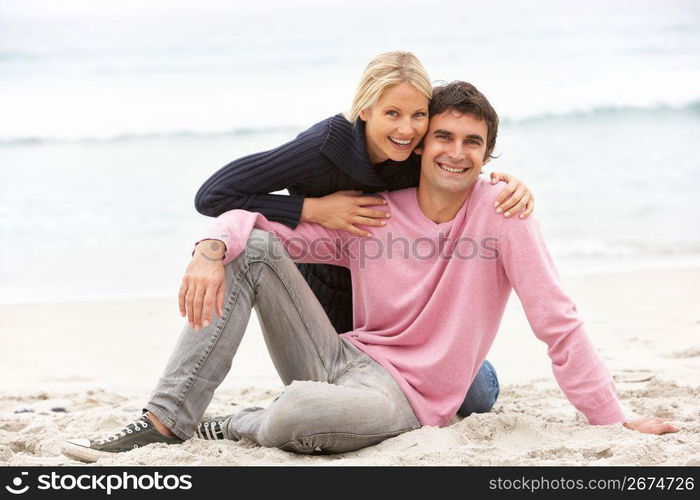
482, 393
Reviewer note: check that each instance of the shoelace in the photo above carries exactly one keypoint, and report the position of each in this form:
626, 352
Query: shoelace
127, 429
210, 430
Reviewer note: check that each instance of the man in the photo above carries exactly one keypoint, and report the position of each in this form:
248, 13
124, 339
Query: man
445, 261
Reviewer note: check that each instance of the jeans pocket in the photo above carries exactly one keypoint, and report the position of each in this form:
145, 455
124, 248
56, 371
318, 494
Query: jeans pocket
356, 359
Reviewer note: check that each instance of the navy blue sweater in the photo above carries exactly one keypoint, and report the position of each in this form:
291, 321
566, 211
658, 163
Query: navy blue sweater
328, 157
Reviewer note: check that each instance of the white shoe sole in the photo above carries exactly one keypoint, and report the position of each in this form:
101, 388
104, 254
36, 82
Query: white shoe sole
82, 453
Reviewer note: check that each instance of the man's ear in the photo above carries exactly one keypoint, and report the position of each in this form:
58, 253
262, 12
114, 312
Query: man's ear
419, 149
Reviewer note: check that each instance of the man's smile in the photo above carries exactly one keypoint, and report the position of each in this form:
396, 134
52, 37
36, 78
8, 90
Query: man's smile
452, 168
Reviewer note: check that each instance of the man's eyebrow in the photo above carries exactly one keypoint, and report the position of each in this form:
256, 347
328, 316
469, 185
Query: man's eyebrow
441, 131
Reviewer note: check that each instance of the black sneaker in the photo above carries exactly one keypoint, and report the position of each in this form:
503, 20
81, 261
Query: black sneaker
134, 435
211, 428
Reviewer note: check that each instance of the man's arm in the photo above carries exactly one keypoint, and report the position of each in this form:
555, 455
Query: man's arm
307, 242
553, 317
203, 288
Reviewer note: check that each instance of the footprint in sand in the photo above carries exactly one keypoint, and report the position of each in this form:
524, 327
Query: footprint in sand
633, 376
691, 352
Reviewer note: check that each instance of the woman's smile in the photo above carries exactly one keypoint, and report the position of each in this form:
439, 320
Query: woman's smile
401, 144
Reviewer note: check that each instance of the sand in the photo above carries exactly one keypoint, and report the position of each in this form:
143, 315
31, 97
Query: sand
99, 360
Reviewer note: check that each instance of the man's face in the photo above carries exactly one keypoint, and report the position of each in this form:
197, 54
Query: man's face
453, 152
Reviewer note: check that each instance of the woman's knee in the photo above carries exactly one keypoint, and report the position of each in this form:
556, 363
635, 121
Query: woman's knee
483, 392
495, 387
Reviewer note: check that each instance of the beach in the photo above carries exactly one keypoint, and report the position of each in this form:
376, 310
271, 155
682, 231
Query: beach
107, 140
96, 362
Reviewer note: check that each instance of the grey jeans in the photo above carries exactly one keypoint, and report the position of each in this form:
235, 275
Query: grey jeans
336, 398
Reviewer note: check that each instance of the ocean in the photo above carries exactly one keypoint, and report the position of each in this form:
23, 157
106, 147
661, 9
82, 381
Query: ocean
112, 114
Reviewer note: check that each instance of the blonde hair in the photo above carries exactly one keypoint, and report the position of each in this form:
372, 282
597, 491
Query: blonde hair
389, 68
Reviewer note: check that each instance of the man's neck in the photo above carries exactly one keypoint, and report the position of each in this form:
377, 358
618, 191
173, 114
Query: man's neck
440, 206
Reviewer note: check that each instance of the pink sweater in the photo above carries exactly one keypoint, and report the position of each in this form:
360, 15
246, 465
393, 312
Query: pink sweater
428, 298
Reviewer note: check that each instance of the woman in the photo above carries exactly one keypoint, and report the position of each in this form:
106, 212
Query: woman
328, 167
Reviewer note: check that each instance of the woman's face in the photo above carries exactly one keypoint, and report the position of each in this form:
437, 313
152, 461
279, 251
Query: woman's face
396, 123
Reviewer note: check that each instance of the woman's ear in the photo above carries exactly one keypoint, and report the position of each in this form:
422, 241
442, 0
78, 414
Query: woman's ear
364, 114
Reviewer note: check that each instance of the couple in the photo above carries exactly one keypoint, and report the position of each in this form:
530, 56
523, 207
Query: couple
429, 287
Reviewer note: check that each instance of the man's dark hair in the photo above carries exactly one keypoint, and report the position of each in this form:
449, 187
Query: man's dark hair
465, 98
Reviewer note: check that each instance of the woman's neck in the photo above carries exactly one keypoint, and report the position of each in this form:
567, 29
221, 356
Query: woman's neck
374, 152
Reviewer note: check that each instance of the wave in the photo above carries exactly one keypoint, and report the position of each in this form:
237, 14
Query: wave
605, 112
174, 134
596, 113
617, 249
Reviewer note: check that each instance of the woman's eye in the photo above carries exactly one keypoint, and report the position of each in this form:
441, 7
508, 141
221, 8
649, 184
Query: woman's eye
392, 113
420, 114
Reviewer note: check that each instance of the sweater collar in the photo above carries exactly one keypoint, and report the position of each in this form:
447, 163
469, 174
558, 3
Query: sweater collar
345, 146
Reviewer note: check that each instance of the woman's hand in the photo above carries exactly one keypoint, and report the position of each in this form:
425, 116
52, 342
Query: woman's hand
203, 285
651, 425
343, 209
520, 196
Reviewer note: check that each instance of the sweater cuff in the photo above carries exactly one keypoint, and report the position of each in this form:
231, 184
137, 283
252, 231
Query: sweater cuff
210, 258
285, 209
606, 414
234, 245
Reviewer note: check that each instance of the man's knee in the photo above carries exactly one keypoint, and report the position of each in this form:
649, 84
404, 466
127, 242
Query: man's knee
289, 415
309, 417
263, 244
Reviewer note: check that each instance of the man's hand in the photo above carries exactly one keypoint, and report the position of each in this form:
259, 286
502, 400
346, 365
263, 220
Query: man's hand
651, 425
514, 197
203, 285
